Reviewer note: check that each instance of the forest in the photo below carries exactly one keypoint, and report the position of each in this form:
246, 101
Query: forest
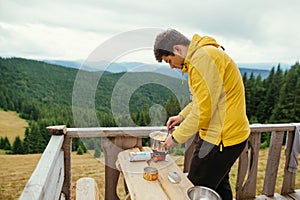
42, 93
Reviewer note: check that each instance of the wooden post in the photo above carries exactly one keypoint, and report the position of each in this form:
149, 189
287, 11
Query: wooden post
112, 147
288, 184
57, 130
273, 163
67, 186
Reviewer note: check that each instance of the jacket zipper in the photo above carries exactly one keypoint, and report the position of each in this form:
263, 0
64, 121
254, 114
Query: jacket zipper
221, 146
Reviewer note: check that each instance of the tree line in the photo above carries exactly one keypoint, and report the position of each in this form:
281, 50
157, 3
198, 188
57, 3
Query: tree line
275, 99
42, 94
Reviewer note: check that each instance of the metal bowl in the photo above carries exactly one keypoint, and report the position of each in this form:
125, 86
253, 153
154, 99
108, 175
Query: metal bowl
202, 193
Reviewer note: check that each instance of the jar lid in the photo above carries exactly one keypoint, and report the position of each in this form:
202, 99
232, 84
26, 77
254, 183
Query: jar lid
150, 170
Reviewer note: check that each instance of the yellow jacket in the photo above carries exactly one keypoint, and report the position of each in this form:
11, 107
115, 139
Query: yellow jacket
217, 110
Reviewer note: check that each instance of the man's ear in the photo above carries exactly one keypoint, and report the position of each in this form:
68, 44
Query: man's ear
177, 49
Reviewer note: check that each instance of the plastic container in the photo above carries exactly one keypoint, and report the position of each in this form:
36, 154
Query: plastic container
139, 156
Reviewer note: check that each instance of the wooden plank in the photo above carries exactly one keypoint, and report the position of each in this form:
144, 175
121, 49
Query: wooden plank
86, 189
288, 183
271, 127
133, 174
113, 131
248, 189
273, 163
144, 131
174, 191
55, 181
36, 186
242, 171
275, 197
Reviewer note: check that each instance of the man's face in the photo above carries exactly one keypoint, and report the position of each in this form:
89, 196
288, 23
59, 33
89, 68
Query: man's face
175, 61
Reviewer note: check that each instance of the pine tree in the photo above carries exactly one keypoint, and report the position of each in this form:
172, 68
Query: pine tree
250, 98
97, 153
97, 146
146, 116
1, 142
6, 144
273, 86
27, 145
172, 107
17, 147
34, 141
80, 150
259, 99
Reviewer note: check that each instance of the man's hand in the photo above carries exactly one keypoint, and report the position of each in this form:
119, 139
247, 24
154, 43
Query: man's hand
172, 121
169, 143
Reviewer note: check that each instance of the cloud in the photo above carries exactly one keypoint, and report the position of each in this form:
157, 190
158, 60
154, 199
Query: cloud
251, 31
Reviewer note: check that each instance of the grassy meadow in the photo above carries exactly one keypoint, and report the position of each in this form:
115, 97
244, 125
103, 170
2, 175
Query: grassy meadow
11, 125
15, 170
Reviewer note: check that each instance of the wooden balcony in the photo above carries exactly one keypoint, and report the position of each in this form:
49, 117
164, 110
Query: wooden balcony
51, 178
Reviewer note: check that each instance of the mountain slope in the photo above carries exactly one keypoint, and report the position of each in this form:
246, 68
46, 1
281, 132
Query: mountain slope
52, 86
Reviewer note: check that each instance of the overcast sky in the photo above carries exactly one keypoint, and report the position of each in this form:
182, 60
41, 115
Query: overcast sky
250, 31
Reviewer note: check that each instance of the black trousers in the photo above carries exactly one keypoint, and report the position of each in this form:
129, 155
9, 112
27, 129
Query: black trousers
210, 167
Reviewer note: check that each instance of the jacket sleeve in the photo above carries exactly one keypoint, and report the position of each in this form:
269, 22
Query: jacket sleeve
186, 110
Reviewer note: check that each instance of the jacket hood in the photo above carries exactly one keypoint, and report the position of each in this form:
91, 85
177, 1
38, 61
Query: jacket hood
197, 42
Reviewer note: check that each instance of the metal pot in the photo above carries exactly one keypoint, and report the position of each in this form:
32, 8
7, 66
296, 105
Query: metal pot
202, 193
157, 140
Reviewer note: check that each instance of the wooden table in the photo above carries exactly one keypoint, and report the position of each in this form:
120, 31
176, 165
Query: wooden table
141, 189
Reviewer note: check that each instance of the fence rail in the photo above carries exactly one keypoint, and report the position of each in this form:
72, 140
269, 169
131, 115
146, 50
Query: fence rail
52, 177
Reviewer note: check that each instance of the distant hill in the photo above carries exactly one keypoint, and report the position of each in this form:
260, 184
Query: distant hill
260, 68
256, 68
265, 66
263, 72
66, 63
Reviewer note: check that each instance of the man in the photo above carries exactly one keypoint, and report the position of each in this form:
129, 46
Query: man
217, 111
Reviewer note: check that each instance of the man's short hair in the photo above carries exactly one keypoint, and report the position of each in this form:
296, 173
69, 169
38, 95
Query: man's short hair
165, 41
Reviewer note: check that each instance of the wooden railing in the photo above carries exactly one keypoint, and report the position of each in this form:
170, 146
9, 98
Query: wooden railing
248, 162
52, 177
